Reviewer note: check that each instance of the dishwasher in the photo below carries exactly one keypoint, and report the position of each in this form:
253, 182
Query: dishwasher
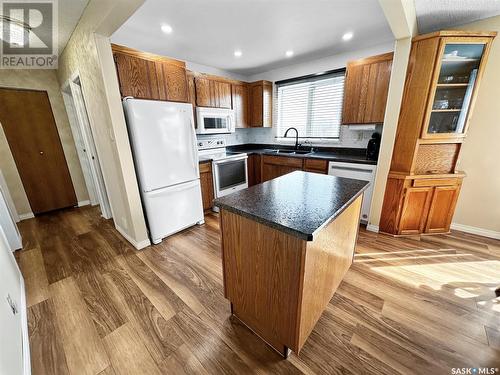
365, 172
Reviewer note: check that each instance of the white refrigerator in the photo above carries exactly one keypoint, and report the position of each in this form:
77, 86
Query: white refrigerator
163, 141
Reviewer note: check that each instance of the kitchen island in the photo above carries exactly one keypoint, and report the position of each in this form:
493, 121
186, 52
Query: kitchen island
286, 245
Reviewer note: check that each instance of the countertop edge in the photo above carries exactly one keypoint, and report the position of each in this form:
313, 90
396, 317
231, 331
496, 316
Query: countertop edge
305, 236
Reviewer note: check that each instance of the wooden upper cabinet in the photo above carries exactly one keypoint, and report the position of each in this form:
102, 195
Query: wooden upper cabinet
136, 76
366, 88
212, 93
222, 94
240, 104
261, 94
203, 95
172, 82
148, 76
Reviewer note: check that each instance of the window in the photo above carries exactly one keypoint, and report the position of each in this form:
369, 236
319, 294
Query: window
311, 104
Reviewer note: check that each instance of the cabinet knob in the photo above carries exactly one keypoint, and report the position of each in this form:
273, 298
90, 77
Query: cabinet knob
41, 152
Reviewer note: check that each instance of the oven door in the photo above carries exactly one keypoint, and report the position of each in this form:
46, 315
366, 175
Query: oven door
230, 175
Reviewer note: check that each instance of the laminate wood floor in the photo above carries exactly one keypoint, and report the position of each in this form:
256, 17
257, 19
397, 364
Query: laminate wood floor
422, 305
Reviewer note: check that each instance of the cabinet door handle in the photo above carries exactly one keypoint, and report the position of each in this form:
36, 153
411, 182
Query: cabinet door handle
41, 152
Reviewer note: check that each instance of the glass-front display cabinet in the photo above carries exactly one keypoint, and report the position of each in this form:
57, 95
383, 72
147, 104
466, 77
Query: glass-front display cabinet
453, 89
443, 78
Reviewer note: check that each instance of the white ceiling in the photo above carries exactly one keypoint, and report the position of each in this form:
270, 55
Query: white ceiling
69, 12
433, 15
209, 31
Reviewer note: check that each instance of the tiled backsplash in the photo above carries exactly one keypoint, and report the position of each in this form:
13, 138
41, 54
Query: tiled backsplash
348, 137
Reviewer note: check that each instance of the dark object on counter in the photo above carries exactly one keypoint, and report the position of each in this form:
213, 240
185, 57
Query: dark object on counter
373, 147
497, 292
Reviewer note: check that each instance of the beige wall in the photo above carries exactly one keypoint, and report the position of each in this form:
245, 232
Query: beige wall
396, 87
81, 55
402, 19
39, 80
479, 202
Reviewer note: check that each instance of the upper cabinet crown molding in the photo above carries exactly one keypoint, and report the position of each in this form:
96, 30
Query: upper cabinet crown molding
366, 88
116, 48
455, 33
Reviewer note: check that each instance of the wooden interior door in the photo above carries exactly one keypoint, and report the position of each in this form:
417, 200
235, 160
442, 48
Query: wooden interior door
29, 126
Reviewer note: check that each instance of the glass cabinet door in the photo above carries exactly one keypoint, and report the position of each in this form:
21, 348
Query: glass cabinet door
455, 85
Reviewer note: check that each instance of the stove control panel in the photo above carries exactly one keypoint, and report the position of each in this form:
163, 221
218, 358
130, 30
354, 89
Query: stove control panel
208, 144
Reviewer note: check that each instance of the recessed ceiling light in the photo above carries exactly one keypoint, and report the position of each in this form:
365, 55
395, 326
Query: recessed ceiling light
167, 29
289, 53
238, 53
347, 36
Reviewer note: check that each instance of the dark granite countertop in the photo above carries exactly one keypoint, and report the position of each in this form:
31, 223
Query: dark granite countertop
298, 203
341, 154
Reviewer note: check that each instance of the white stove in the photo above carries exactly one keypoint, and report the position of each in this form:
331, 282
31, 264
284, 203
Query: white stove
229, 169
215, 149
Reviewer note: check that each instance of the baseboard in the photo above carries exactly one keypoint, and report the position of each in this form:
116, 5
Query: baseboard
83, 203
27, 216
138, 245
475, 230
372, 228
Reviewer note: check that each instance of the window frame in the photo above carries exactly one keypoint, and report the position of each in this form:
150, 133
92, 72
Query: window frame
316, 76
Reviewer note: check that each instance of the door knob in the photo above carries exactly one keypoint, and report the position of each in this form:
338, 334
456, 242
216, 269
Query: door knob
41, 152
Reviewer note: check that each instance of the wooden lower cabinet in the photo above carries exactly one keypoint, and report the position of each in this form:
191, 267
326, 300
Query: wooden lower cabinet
254, 169
207, 185
442, 207
316, 166
275, 166
418, 205
414, 210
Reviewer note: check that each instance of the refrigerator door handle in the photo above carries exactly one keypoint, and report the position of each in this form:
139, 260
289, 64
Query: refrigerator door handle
195, 149
178, 187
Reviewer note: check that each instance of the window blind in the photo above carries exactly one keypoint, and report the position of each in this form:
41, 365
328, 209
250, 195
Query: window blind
313, 105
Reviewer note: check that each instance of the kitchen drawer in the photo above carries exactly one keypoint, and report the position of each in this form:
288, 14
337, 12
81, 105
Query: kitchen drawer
435, 182
282, 160
316, 165
206, 167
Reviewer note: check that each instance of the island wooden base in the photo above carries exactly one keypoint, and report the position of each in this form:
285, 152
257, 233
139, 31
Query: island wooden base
279, 284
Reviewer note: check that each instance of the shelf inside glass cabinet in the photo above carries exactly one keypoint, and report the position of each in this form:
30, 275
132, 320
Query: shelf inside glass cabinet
457, 77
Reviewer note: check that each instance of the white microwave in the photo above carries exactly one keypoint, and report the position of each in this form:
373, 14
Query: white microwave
214, 120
